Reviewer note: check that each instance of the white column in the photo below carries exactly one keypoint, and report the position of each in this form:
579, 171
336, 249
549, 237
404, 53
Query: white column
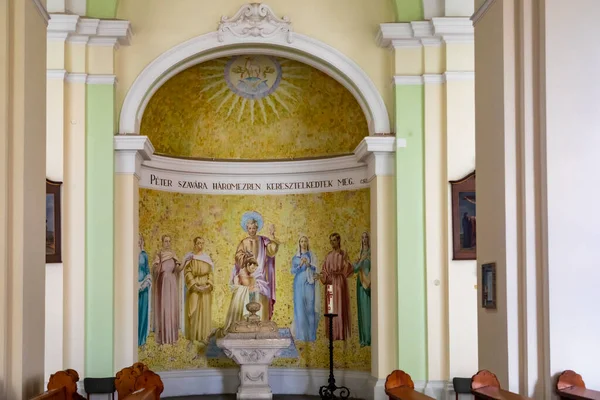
130, 152
379, 154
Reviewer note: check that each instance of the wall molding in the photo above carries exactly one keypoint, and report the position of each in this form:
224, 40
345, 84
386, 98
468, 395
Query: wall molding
77, 77
481, 11
130, 152
426, 33
223, 44
56, 74
289, 381
449, 76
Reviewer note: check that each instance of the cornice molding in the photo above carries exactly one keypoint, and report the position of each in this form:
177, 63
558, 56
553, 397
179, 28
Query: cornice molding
481, 11
76, 29
379, 153
407, 80
426, 33
130, 152
76, 77
101, 79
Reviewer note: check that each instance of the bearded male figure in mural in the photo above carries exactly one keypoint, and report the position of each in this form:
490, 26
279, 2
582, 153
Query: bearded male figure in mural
166, 272
307, 303
335, 271
263, 250
362, 267
198, 268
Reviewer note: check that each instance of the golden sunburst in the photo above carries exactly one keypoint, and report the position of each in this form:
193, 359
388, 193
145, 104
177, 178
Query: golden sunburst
253, 84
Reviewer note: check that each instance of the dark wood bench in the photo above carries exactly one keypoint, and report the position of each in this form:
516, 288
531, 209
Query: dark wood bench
399, 386
485, 386
570, 385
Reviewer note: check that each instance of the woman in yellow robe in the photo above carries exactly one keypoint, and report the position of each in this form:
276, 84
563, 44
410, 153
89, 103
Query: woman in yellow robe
198, 269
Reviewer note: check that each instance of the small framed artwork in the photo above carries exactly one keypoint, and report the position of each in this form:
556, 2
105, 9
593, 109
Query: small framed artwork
488, 286
464, 218
53, 226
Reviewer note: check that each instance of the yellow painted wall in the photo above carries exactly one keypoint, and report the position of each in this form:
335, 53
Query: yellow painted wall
219, 109
349, 26
217, 219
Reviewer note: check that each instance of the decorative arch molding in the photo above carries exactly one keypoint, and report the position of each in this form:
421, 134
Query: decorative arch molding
257, 37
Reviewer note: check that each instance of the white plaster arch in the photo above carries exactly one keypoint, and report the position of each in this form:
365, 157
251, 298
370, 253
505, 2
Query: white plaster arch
297, 47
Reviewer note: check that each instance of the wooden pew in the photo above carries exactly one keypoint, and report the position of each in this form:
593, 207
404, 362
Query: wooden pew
570, 385
62, 385
136, 377
399, 386
485, 386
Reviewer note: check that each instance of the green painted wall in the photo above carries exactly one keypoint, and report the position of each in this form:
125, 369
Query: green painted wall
410, 175
407, 10
99, 177
101, 8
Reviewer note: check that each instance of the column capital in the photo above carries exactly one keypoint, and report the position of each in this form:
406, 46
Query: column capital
378, 152
94, 31
130, 152
425, 33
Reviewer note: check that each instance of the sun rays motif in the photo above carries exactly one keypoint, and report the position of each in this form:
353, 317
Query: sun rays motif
253, 85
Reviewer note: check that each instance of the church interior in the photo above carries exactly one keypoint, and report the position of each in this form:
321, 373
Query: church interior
364, 199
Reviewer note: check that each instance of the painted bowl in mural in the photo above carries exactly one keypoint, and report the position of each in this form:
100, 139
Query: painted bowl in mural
253, 307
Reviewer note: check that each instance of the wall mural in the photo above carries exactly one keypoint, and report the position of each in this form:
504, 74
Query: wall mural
253, 107
204, 257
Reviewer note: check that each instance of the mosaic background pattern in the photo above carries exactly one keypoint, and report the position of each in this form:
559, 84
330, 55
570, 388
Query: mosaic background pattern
309, 114
217, 219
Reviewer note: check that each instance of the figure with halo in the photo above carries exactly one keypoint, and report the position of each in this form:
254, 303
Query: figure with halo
307, 303
263, 250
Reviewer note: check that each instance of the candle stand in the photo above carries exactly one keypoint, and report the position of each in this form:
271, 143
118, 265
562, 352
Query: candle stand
328, 392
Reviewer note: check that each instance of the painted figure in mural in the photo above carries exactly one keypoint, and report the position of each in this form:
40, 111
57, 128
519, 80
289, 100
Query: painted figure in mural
247, 286
145, 282
198, 268
263, 249
363, 290
166, 272
306, 292
335, 271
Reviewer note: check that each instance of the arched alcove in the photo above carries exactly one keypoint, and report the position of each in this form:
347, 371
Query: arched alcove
253, 107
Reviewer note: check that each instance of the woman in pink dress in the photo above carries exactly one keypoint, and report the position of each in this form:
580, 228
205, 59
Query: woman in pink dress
166, 272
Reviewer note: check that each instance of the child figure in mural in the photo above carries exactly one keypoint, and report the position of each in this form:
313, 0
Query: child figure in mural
248, 286
362, 268
307, 301
198, 268
335, 271
263, 250
166, 273
145, 282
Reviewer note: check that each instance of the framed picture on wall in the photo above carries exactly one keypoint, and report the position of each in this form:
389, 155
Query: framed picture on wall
488, 285
53, 226
464, 218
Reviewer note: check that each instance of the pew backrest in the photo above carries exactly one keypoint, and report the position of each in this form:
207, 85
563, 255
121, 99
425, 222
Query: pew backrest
399, 386
54, 394
486, 386
570, 385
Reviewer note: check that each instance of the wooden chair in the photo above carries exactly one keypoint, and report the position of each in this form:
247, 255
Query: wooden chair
399, 386
485, 386
136, 377
570, 385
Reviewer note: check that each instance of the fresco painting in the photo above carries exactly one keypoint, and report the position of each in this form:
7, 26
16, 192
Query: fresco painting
279, 250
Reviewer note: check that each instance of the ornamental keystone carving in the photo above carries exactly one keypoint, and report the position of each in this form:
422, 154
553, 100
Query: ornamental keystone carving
255, 20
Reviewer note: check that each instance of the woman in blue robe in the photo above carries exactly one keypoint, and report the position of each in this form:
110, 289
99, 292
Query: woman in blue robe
306, 293
362, 268
144, 280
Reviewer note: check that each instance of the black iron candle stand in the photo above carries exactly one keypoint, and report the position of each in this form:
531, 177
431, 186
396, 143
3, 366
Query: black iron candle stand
328, 392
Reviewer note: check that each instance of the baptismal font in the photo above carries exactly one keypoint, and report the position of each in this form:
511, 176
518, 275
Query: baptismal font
253, 344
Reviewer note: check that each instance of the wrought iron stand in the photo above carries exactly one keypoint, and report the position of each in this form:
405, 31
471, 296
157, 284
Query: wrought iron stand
328, 392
